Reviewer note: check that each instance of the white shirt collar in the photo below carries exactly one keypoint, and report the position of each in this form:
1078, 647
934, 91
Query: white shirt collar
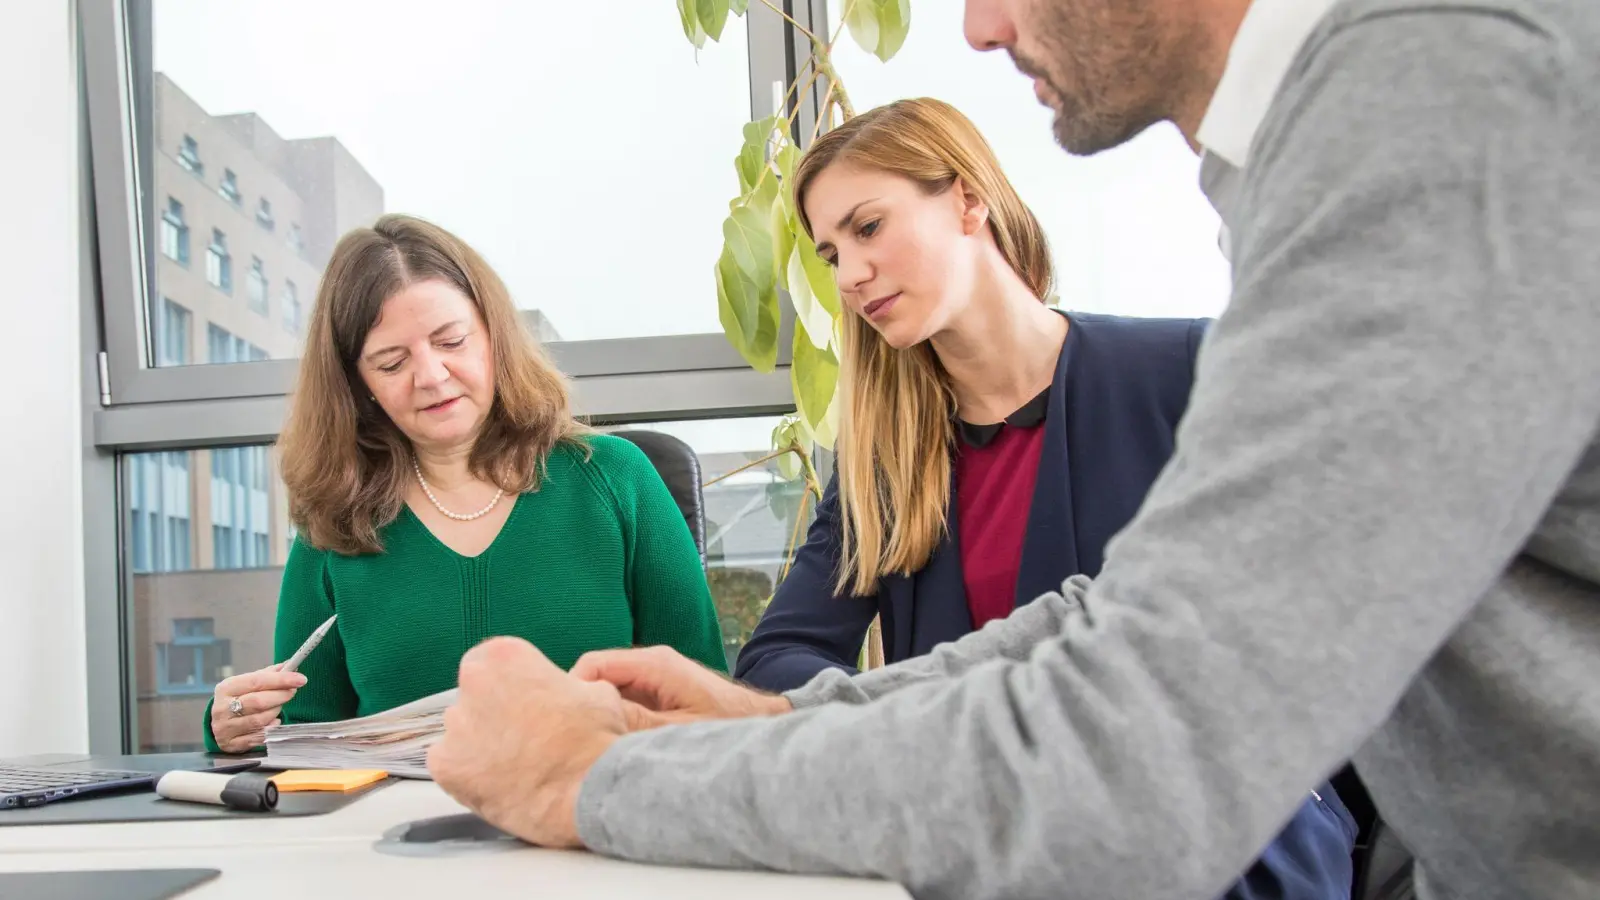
1269, 39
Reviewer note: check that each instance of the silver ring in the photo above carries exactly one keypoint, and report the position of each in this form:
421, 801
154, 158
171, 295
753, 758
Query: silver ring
236, 707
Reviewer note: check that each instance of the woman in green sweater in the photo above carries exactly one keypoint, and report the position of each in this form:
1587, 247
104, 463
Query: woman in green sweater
443, 493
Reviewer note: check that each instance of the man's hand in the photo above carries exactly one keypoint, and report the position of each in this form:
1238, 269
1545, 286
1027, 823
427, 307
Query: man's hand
662, 687
521, 738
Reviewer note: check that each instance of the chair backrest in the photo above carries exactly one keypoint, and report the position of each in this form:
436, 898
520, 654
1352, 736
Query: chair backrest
679, 467
1383, 865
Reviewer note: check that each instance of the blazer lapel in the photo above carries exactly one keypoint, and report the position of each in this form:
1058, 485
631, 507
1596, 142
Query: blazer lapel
1050, 548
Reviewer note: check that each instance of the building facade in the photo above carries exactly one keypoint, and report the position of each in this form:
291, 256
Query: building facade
244, 223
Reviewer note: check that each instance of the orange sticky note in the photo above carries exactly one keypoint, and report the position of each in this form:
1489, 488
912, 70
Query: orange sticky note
327, 779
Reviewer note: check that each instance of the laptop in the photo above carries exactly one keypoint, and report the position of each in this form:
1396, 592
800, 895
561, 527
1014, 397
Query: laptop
34, 781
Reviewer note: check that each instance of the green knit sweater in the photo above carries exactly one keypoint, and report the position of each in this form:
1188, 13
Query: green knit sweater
598, 557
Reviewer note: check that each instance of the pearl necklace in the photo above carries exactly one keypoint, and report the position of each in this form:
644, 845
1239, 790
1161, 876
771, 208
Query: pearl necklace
459, 517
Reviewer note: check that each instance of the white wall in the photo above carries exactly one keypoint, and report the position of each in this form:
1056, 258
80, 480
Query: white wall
42, 691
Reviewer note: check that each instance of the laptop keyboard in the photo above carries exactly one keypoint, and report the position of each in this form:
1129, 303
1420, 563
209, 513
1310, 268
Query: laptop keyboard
19, 780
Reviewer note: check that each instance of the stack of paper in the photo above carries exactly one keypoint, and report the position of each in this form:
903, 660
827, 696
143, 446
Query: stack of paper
396, 741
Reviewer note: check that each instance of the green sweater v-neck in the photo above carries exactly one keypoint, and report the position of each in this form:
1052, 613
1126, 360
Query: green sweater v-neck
598, 557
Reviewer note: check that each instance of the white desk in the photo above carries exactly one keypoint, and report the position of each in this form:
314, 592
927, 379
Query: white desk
333, 856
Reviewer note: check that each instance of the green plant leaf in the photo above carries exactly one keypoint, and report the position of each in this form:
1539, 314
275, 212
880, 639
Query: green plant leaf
786, 161
862, 23
753, 153
713, 15
880, 26
765, 197
783, 498
782, 241
894, 23
814, 373
745, 231
748, 313
810, 315
689, 17
738, 303
738, 7
819, 275
786, 434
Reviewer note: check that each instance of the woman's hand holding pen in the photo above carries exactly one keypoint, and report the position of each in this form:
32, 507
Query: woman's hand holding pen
245, 705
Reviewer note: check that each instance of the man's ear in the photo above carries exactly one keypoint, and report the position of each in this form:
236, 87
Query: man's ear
974, 211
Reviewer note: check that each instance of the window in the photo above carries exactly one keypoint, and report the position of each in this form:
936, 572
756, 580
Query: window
229, 188
1108, 217
329, 166
194, 660
256, 286
178, 545
219, 345
291, 308
174, 233
219, 265
189, 156
173, 335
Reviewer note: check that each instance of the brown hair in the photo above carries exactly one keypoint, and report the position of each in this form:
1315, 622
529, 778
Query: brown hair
345, 464
895, 431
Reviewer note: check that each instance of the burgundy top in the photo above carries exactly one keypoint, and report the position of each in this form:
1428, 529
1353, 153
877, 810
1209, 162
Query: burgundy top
996, 466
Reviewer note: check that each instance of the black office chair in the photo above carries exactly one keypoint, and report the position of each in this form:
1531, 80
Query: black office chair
1383, 865
680, 469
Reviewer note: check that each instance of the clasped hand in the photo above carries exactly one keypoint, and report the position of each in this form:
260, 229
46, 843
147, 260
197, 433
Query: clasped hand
523, 734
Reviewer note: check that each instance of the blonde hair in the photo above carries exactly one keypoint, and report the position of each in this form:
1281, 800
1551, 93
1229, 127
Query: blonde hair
345, 464
896, 427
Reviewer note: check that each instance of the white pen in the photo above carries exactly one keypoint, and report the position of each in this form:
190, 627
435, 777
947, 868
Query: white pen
311, 643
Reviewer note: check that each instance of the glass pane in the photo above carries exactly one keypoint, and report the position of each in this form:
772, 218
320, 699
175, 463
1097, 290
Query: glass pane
556, 159
209, 532
751, 516
1130, 231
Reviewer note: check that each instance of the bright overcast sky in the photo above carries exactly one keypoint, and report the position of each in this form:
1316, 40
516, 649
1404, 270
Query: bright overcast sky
587, 152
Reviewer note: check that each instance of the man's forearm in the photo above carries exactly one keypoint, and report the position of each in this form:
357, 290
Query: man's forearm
1013, 637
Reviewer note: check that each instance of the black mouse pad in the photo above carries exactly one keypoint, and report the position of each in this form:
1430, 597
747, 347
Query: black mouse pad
145, 806
108, 884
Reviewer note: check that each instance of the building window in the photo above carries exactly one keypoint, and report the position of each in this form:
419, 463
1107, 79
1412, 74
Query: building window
264, 215
256, 286
261, 550
297, 241
255, 354
141, 541
178, 545
222, 548
189, 156
219, 349
219, 265
229, 188
291, 308
173, 334
174, 233
194, 660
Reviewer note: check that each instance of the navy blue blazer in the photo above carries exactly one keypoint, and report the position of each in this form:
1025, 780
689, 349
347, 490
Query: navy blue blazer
1121, 386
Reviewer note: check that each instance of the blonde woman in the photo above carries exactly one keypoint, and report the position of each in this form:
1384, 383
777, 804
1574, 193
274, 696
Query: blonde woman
990, 446
443, 493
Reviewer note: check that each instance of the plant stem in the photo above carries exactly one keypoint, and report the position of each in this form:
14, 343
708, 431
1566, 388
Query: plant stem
749, 465
794, 536
822, 112
836, 87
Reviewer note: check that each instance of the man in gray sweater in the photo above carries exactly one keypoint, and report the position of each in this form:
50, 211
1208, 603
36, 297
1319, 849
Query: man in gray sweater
1379, 537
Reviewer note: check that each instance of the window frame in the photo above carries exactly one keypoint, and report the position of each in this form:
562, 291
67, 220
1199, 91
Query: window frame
133, 405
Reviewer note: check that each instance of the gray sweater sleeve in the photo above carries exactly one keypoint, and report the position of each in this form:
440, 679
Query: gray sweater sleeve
1013, 637
1403, 380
